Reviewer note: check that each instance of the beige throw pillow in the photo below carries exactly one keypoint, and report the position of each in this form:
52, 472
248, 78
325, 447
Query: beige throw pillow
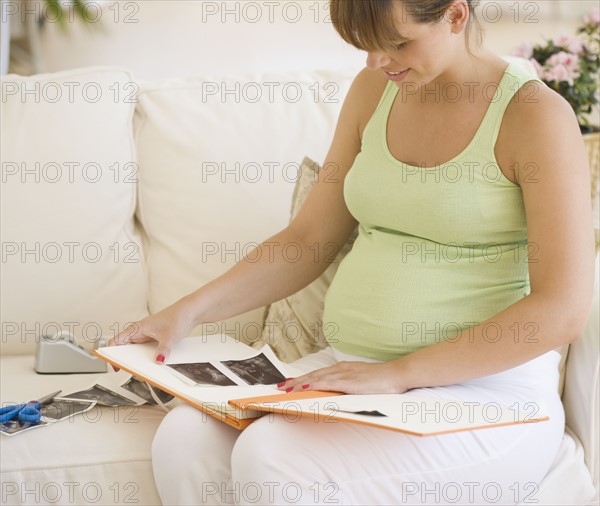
294, 325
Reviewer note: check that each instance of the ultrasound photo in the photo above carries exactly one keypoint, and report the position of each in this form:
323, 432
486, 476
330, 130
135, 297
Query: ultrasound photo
257, 370
59, 409
141, 389
102, 396
203, 372
12, 427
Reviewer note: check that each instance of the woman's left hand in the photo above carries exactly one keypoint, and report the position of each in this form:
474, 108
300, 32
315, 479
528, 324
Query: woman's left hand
351, 378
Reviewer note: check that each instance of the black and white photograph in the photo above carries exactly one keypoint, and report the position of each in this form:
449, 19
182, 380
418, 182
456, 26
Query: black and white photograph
60, 409
203, 372
258, 370
57, 410
102, 396
141, 389
13, 427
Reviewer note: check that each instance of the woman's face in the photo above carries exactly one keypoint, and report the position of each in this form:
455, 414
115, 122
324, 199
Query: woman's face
423, 53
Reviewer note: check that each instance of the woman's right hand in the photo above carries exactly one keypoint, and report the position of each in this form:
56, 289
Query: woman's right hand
167, 327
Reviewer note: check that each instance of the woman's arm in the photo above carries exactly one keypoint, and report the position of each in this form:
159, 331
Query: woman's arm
543, 135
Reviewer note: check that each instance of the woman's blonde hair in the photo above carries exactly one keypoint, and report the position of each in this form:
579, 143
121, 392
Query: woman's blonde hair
369, 24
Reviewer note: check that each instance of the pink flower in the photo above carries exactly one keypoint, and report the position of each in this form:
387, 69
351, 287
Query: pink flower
592, 19
557, 73
561, 67
569, 60
573, 44
524, 50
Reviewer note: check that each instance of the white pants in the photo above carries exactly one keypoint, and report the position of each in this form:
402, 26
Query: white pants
199, 460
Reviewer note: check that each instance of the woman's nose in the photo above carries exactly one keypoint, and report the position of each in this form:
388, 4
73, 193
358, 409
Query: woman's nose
377, 60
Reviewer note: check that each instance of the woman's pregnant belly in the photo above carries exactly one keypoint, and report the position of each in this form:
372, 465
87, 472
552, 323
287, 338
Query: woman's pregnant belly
395, 293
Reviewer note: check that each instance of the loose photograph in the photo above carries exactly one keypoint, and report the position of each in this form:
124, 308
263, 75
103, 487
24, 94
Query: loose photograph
60, 409
141, 389
102, 396
13, 427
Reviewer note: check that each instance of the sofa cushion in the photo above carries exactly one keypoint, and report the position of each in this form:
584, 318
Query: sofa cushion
99, 457
294, 325
218, 162
70, 252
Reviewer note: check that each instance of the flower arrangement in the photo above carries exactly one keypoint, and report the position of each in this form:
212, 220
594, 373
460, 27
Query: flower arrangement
569, 65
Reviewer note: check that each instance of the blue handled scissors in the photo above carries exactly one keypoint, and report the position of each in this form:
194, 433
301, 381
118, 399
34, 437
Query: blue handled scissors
26, 412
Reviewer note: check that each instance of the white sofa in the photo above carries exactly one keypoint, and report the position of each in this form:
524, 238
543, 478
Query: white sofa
118, 198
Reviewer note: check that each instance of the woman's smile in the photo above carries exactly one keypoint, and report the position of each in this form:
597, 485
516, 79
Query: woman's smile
397, 76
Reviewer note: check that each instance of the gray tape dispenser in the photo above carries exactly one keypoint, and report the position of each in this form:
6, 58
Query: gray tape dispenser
60, 354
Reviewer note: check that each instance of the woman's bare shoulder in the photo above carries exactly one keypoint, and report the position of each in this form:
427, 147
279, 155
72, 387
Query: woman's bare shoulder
536, 115
364, 95
534, 101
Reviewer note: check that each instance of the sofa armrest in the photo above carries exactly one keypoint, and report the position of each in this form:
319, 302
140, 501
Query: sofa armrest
582, 388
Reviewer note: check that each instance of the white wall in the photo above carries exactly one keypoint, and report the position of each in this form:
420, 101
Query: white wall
181, 38
157, 38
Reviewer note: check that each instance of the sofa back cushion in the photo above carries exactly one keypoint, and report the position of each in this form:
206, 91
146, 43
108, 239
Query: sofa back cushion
71, 256
219, 158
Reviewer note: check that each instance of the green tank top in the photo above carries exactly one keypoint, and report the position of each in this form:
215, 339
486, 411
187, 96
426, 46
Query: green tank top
439, 250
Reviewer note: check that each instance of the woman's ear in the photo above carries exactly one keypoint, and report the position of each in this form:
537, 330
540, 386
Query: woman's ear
457, 16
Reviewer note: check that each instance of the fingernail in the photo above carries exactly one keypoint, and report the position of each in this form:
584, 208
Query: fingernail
288, 390
115, 368
304, 387
288, 379
160, 358
279, 385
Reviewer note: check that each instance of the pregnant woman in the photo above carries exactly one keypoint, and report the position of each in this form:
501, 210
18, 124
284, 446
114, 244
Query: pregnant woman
469, 183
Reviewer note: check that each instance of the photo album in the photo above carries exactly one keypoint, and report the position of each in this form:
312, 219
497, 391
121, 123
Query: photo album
208, 372
236, 384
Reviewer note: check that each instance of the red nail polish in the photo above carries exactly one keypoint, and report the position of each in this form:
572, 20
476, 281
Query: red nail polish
160, 358
280, 384
288, 390
288, 379
304, 387
116, 369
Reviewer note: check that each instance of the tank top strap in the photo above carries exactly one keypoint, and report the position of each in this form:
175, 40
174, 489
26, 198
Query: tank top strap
387, 98
515, 76
376, 125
